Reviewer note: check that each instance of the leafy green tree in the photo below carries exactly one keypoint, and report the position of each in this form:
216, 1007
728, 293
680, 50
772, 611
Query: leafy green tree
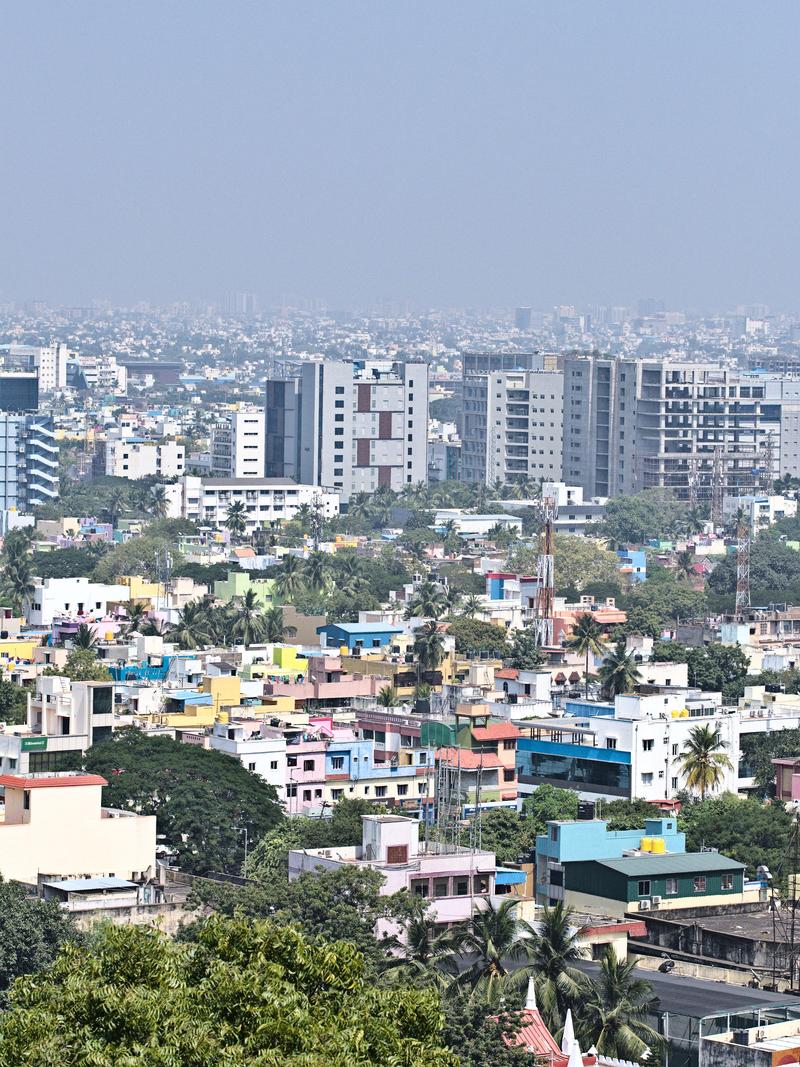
758, 751
474, 637
424, 954
619, 673
743, 828
13, 702
387, 697
199, 797
654, 605
628, 814
472, 606
82, 665
116, 503
31, 933
587, 639
653, 514
524, 652
547, 803
505, 833
274, 628
157, 503
428, 602
16, 583
428, 647
192, 629
68, 562
703, 759
555, 953
617, 1009
240, 993
774, 574
479, 1038
315, 571
715, 668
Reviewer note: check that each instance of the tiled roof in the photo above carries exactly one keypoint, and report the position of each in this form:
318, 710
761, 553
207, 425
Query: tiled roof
470, 761
495, 731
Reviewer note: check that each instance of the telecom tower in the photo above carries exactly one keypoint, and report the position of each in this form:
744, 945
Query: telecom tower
545, 577
742, 568
765, 464
717, 488
693, 478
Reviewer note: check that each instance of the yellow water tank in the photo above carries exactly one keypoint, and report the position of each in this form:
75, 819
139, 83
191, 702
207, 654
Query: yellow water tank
646, 844
675, 714
658, 846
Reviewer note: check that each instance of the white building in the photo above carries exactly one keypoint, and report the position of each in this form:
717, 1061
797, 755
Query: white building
266, 500
256, 750
238, 445
142, 459
350, 426
524, 426
759, 510
76, 597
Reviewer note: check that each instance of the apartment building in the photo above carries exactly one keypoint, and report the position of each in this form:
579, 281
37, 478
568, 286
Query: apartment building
476, 368
74, 598
49, 362
238, 445
266, 500
525, 426
633, 424
28, 462
135, 458
350, 426
260, 749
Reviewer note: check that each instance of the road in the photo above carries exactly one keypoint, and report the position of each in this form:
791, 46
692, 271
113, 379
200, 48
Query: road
680, 995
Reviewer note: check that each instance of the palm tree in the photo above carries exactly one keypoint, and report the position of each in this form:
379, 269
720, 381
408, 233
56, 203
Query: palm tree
703, 760
304, 515
17, 581
274, 629
428, 647
236, 518
289, 580
587, 639
618, 673
428, 602
497, 942
192, 629
684, 564
117, 502
136, 615
472, 606
387, 697
84, 637
424, 955
616, 1011
157, 504
556, 951
315, 570
248, 625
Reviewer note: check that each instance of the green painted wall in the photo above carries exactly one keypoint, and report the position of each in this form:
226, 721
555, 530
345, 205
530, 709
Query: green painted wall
590, 877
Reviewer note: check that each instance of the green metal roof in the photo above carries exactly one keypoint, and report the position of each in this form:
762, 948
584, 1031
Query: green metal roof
672, 863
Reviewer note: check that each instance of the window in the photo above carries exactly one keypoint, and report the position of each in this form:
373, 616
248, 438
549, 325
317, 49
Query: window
397, 854
402, 790
647, 778
671, 889
291, 761
337, 763
674, 782
644, 888
699, 884
308, 765
421, 788
420, 887
727, 881
461, 886
509, 774
26, 799
647, 744
339, 390
337, 794
291, 790
306, 794
366, 790
380, 790
554, 833
509, 745
441, 887
251, 766
611, 742
674, 750
317, 793
481, 883
273, 765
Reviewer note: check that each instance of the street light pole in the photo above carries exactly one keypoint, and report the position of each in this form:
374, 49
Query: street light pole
243, 830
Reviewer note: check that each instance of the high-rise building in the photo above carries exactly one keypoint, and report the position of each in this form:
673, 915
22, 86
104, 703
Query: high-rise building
19, 391
522, 318
476, 368
525, 426
28, 461
238, 445
633, 424
349, 426
49, 362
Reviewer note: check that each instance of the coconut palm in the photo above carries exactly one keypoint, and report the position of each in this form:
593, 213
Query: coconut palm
684, 564
616, 1010
587, 639
618, 673
428, 602
117, 502
16, 584
428, 647
472, 606
497, 943
289, 580
156, 502
236, 518
315, 570
304, 516
192, 629
84, 637
424, 954
136, 616
703, 760
248, 619
274, 629
555, 953
387, 697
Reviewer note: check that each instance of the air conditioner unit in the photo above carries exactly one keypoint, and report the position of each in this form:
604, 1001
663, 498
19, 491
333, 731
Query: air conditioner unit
655, 901
644, 905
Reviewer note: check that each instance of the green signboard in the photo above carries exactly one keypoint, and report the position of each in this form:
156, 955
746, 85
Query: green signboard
34, 744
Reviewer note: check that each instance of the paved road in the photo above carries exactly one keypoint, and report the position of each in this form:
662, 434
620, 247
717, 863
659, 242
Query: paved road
696, 998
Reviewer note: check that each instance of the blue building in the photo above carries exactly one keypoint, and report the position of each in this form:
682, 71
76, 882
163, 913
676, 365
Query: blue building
365, 636
577, 842
634, 564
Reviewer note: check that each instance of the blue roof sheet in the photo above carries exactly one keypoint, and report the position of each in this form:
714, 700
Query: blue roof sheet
84, 885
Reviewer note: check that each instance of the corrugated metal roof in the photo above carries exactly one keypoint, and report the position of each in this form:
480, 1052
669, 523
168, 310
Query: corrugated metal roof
672, 863
86, 885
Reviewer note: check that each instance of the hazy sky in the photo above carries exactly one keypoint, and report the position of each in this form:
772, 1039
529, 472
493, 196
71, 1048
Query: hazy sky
450, 153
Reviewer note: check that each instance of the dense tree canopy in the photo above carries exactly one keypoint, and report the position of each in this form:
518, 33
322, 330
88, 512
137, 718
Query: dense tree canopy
745, 829
241, 993
579, 562
758, 751
82, 665
31, 932
659, 602
203, 800
653, 514
474, 637
774, 574
714, 668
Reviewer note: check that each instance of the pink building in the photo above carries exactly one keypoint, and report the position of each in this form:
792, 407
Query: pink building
454, 879
327, 683
787, 778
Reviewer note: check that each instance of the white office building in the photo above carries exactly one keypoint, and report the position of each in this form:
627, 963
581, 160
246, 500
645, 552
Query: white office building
266, 500
238, 445
130, 458
72, 598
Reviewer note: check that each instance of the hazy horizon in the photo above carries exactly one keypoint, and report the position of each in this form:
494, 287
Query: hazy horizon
456, 154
